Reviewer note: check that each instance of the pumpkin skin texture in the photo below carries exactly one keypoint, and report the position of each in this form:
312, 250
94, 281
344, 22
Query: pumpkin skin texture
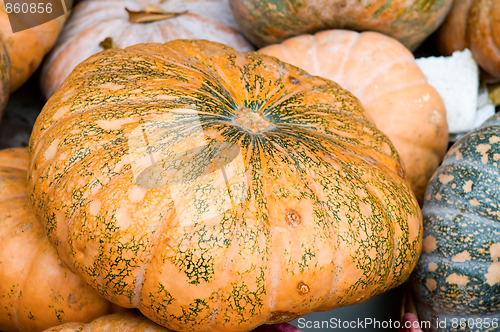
93, 21
122, 322
474, 24
382, 73
36, 290
218, 190
458, 274
27, 48
4, 79
266, 22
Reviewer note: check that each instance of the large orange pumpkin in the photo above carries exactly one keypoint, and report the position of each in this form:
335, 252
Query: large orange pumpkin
383, 74
474, 24
267, 22
99, 24
218, 190
36, 290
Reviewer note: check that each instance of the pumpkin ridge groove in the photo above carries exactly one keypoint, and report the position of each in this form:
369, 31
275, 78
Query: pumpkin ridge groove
390, 226
349, 50
4, 199
312, 133
381, 70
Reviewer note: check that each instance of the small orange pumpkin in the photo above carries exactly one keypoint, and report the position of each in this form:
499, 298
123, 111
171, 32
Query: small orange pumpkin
474, 24
383, 74
27, 48
36, 290
117, 322
22, 52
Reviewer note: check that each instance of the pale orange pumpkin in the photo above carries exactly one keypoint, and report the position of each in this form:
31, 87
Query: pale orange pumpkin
99, 24
218, 190
36, 290
118, 322
382, 73
474, 24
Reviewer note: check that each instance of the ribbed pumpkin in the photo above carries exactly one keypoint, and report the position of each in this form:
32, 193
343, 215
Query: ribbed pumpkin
457, 278
118, 322
383, 74
99, 24
36, 290
218, 190
474, 24
267, 22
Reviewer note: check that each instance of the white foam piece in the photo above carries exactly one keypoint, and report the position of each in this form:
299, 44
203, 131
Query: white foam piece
456, 79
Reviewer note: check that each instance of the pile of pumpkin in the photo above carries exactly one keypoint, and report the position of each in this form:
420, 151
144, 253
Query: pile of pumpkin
212, 187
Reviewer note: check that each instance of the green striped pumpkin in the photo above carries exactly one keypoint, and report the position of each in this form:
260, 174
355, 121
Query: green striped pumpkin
457, 279
266, 22
218, 190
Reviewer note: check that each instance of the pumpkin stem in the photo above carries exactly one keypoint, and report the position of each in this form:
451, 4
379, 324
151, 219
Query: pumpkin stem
146, 16
107, 43
252, 120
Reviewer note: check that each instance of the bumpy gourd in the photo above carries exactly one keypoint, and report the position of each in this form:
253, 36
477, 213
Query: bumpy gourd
474, 24
457, 279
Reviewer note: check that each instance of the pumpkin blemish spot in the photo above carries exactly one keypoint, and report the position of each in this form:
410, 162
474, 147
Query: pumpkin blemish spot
293, 218
294, 80
303, 288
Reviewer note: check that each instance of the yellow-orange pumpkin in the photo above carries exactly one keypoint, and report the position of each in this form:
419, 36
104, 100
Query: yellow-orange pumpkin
474, 24
383, 74
36, 290
218, 190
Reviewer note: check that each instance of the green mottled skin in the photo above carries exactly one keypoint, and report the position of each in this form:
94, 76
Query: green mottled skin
462, 215
272, 21
317, 217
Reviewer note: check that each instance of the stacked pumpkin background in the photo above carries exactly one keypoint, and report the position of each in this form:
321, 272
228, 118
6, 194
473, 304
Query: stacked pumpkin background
271, 159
